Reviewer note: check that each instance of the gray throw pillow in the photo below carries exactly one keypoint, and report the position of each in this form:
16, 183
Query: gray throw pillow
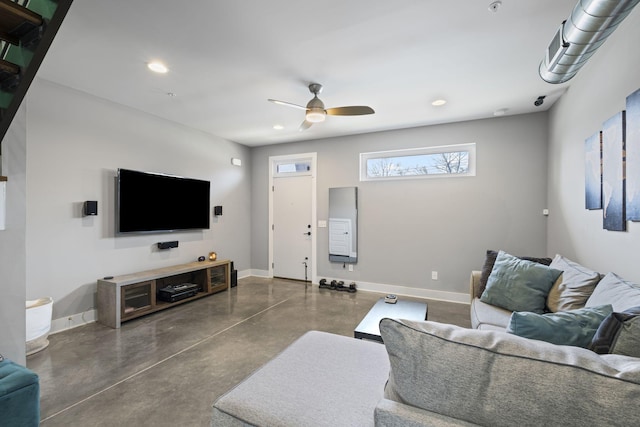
612, 289
573, 327
496, 379
573, 288
619, 333
519, 285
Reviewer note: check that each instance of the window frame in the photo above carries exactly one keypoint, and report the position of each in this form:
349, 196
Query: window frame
408, 152
293, 161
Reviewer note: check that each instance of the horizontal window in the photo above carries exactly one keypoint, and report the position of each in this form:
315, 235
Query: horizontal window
428, 162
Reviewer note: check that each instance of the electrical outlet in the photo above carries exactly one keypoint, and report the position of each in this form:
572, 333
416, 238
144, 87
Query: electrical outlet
350, 267
434, 275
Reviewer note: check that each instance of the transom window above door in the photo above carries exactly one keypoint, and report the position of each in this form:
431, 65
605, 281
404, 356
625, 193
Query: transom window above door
292, 167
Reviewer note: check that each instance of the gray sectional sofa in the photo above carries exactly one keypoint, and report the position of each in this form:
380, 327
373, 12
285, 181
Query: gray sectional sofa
432, 374
576, 288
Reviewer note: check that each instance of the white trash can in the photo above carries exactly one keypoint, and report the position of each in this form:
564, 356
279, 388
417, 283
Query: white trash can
38, 321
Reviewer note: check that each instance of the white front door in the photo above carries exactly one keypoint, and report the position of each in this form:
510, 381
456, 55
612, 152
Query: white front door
292, 231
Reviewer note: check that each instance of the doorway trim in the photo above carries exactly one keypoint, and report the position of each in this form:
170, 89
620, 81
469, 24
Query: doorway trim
273, 162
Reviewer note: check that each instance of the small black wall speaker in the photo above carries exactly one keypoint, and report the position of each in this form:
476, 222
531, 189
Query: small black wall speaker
168, 245
90, 208
217, 210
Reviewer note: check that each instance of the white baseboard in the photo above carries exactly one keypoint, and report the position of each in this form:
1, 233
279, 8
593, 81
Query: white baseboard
407, 291
73, 321
90, 316
255, 273
457, 297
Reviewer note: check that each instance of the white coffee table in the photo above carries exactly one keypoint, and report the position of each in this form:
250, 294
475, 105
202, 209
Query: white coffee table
369, 327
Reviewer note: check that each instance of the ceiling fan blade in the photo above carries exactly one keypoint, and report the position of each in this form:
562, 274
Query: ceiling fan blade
287, 104
304, 126
355, 110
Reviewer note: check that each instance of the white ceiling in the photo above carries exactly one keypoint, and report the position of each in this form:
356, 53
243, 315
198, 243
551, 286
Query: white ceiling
226, 58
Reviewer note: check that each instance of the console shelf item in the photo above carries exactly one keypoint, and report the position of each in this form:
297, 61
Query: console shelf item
127, 297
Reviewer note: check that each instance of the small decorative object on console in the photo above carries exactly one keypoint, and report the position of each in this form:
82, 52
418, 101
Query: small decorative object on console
200, 258
391, 299
212, 256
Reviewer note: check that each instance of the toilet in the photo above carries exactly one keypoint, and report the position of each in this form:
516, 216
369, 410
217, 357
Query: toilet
38, 322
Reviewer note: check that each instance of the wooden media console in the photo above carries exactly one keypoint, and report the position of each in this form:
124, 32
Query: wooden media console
127, 297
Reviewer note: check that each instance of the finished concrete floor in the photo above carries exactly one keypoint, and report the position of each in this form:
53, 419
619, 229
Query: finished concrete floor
167, 368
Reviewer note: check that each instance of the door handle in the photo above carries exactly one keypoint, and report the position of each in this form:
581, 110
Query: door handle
308, 233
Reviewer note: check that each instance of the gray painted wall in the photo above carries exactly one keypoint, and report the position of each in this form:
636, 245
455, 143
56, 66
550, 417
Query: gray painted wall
406, 229
76, 144
12, 243
596, 93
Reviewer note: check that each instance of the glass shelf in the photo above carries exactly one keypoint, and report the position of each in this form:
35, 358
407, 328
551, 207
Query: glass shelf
136, 298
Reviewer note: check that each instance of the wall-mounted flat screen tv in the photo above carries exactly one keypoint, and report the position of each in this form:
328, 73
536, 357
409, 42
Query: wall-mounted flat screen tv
151, 202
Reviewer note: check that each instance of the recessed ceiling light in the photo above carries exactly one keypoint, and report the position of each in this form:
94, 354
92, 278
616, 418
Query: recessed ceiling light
500, 112
157, 67
278, 127
438, 102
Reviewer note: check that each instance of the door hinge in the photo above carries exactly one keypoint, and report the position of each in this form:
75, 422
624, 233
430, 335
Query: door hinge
272, 227
272, 265
273, 188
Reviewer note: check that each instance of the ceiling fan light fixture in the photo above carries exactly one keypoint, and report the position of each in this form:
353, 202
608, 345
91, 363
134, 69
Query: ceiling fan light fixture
316, 113
157, 67
316, 116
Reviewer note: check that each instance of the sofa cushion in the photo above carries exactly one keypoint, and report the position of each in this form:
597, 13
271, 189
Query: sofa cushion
519, 285
490, 260
487, 316
619, 333
499, 379
390, 413
612, 289
573, 327
321, 379
573, 288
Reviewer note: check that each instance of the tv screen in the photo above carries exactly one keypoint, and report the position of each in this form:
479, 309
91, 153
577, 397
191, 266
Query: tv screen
151, 202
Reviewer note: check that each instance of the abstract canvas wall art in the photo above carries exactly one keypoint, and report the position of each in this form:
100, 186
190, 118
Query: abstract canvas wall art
613, 173
593, 171
633, 156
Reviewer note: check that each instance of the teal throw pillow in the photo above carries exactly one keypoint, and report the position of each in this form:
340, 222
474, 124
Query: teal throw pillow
519, 285
573, 327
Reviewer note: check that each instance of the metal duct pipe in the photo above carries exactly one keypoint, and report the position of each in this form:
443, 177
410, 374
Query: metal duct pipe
588, 26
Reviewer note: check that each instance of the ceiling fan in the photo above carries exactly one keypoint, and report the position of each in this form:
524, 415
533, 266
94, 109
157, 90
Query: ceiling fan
316, 112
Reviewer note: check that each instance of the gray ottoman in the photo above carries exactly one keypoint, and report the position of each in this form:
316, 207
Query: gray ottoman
321, 379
